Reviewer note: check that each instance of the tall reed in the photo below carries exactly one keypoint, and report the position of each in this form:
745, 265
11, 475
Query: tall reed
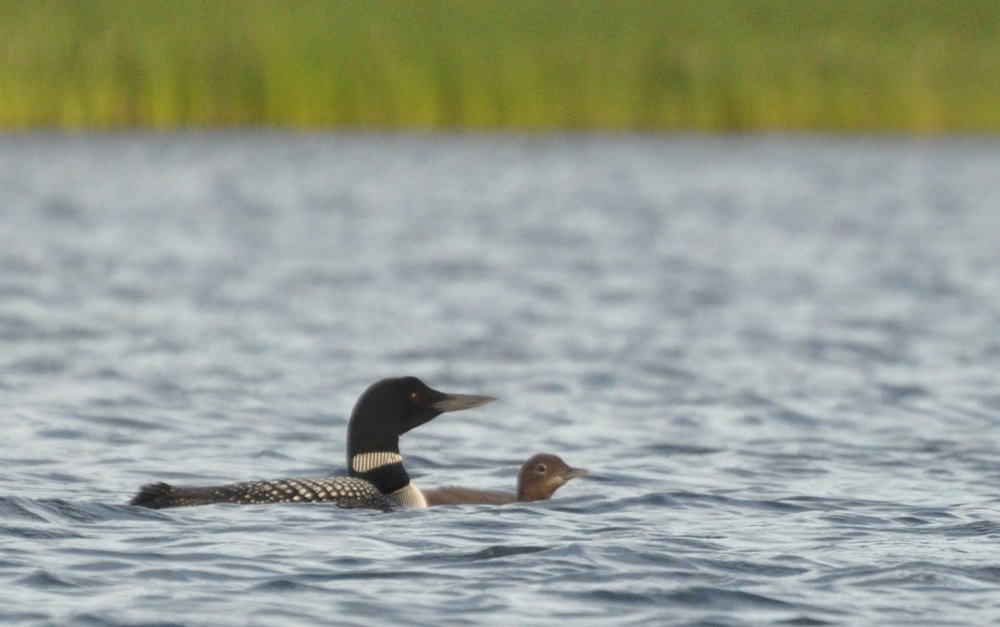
707, 65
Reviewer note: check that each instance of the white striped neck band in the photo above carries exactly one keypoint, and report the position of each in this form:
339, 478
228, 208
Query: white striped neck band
363, 462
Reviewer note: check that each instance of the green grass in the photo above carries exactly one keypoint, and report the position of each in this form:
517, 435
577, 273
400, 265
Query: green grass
710, 65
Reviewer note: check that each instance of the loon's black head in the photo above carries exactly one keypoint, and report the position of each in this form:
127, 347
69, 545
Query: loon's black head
391, 407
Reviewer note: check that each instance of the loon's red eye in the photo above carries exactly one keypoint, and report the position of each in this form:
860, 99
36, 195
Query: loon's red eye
416, 397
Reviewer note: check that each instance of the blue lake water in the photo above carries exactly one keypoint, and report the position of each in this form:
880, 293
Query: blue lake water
778, 356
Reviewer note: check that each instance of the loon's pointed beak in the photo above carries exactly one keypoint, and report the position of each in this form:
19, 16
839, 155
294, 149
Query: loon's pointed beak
456, 402
572, 473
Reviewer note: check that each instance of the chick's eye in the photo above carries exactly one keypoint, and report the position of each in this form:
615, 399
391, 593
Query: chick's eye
416, 397
541, 468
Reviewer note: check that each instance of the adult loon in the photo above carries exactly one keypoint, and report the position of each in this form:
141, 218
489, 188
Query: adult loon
537, 480
385, 411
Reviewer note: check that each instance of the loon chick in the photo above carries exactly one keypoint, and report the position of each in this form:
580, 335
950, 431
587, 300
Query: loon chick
385, 411
537, 480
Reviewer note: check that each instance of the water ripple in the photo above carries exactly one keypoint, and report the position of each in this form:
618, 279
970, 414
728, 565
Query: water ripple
777, 356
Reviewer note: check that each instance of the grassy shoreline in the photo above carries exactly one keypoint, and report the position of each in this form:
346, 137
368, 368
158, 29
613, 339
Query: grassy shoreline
924, 66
